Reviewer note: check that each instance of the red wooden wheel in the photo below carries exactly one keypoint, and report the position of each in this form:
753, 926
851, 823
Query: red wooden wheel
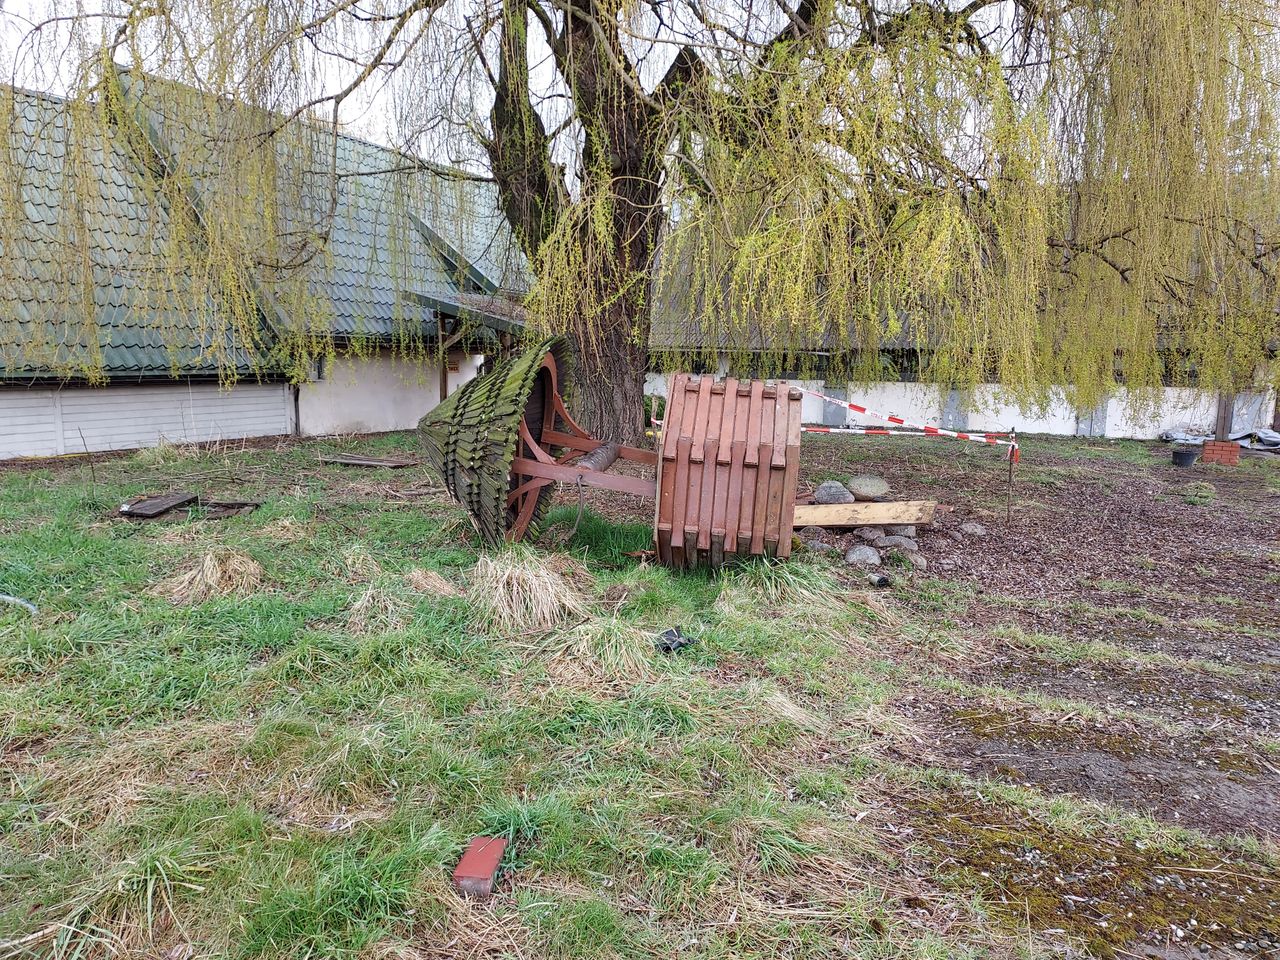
528, 497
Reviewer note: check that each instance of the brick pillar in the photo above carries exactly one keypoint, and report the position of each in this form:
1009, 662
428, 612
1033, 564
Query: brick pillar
1223, 452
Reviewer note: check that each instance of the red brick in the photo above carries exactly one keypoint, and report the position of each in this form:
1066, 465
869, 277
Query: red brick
476, 871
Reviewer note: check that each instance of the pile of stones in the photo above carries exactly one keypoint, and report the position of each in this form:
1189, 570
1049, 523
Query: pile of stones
870, 547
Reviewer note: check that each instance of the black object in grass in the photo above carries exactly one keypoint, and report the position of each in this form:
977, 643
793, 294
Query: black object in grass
671, 641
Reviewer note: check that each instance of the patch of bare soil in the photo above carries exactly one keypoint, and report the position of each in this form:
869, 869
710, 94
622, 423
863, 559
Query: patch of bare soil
1247, 700
1144, 624
1113, 895
1212, 781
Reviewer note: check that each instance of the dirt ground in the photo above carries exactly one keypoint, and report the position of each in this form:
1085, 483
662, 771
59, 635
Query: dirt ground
1115, 640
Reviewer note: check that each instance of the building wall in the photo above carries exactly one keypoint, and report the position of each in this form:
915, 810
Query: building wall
357, 395
1194, 411
375, 394
989, 410
41, 423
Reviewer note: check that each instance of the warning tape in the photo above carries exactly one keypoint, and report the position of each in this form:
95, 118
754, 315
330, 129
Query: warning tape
883, 432
922, 428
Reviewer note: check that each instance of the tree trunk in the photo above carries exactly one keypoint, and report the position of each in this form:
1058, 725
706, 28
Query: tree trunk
608, 381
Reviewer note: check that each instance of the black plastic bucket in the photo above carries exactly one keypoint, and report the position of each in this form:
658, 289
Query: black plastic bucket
1184, 456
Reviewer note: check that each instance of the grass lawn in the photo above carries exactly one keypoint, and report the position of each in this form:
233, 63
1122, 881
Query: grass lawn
271, 735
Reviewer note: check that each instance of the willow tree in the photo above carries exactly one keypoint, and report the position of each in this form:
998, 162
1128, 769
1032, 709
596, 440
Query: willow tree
1056, 195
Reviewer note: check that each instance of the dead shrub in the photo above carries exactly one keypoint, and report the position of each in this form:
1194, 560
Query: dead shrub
222, 571
520, 591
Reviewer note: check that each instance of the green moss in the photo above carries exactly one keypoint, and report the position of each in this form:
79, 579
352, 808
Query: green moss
991, 723
1103, 889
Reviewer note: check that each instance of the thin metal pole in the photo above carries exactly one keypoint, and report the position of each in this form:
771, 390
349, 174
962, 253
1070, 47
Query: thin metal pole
1008, 497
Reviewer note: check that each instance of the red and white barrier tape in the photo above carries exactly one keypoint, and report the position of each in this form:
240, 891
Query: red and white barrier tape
885, 432
923, 428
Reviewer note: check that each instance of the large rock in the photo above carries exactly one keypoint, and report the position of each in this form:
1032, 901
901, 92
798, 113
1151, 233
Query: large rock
897, 543
973, 529
809, 533
867, 487
832, 491
918, 561
862, 556
817, 546
900, 530
868, 533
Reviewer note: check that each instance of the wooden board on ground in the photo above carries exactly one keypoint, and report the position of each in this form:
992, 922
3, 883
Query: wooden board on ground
147, 508
867, 514
355, 460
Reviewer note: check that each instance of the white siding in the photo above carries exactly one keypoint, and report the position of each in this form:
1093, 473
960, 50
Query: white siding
911, 401
50, 422
374, 394
28, 424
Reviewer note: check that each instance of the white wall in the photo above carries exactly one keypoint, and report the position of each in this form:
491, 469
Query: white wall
374, 394
1194, 411
988, 409
36, 423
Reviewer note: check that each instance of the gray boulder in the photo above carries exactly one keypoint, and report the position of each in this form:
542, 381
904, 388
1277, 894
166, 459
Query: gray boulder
973, 529
809, 533
868, 533
867, 487
897, 543
900, 530
918, 561
862, 556
817, 546
832, 491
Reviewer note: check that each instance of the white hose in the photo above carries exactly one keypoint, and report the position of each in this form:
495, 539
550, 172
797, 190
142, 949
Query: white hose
29, 607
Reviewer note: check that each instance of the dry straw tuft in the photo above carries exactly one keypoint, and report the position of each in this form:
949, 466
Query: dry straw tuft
376, 610
220, 572
606, 650
359, 564
284, 530
520, 591
430, 582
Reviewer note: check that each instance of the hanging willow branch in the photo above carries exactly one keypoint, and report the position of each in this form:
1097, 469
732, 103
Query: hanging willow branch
1076, 195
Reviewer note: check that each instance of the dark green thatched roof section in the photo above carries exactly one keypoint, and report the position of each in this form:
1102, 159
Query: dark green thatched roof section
471, 437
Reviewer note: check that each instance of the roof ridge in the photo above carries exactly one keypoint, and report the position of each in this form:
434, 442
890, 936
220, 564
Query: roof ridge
444, 170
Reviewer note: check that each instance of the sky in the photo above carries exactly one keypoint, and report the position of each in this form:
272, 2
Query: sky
51, 68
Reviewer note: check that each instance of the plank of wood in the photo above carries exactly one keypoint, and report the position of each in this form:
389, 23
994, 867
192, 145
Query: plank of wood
355, 460
864, 514
150, 507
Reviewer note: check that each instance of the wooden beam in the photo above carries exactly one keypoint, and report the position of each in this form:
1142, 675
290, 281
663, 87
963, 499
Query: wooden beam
570, 473
1226, 405
864, 514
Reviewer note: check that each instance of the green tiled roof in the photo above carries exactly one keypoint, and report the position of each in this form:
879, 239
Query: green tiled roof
398, 248
115, 303
392, 237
